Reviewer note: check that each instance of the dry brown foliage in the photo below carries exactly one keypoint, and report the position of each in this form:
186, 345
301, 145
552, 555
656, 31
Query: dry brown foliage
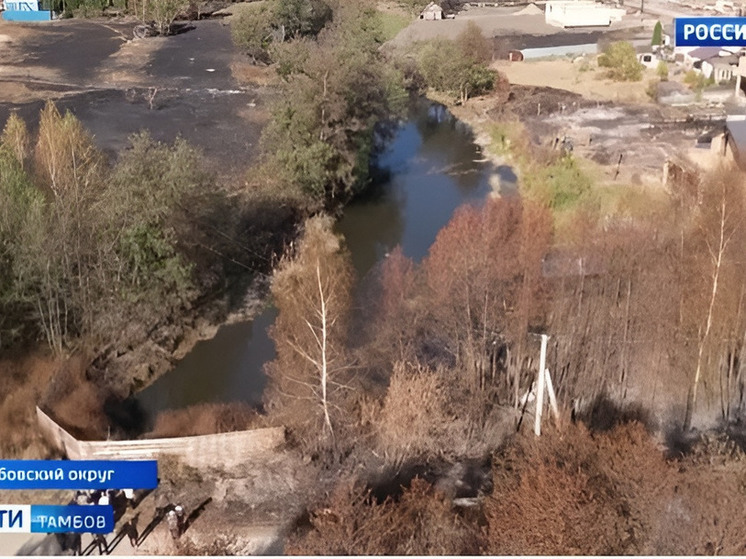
75, 402
21, 385
206, 419
308, 379
16, 138
484, 273
422, 522
413, 416
614, 493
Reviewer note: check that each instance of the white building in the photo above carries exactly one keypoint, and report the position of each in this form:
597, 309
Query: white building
432, 12
580, 13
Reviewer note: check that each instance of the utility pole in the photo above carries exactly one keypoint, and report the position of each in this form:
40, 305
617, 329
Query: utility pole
544, 382
540, 385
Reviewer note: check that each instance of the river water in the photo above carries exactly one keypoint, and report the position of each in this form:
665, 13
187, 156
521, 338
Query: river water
430, 168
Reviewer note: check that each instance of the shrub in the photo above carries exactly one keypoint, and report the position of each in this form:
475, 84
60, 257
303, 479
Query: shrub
422, 522
621, 61
662, 71
558, 184
205, 419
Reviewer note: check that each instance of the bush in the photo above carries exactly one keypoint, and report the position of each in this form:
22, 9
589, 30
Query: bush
696, 80
205, 419
621, 61
251, 31
662, 71
413, 413
422, 522
558, 184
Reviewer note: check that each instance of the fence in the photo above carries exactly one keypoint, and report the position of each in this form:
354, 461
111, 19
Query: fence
222, 449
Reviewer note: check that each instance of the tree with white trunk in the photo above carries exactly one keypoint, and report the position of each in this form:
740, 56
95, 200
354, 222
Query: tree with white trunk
311, 290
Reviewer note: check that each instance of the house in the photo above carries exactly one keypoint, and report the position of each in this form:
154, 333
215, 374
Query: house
648, 59
720, 69
432, 12
693, 56
580, 13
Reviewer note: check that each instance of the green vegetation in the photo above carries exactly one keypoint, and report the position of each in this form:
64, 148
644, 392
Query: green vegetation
657, 35
662, 71
697, 81
458, 67
391, 24
84, 246
553, 178
621, 61
558, 184
272, 22
93, 253
414, 6
163, 13
337, 90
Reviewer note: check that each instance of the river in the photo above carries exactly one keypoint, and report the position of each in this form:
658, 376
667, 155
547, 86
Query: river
430, 168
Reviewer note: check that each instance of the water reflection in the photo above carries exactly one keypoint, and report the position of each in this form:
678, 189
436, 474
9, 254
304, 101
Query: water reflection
433, 167
430, 168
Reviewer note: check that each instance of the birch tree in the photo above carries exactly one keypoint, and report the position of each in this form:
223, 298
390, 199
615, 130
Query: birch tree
720, 223
312, 293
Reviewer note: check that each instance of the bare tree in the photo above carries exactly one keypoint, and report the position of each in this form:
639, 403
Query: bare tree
720, 221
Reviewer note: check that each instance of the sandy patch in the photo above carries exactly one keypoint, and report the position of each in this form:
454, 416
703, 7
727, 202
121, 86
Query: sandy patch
579, 77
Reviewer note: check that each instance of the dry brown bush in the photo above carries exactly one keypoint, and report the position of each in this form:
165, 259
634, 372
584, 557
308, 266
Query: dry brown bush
75, 402
422, 522
206, 419
412, 418
21, 381
551, 497
614, 492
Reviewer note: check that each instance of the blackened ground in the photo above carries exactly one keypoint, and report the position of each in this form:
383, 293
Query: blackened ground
176, 86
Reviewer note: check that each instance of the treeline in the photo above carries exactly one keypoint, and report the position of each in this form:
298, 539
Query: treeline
94, 253
645, 311
341, 94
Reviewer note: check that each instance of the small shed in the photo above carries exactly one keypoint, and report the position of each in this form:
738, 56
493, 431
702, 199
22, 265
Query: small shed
432, 12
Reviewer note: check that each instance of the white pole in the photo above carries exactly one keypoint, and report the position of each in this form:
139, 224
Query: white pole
540, 385
552, 398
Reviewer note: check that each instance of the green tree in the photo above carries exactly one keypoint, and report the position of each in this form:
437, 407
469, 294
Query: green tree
273, 22
300, 17
337, 91
621, 61
86, 249
657, 35
251, 31
458, 67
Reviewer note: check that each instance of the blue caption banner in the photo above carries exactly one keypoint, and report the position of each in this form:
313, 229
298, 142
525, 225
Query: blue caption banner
78, 474
46, 519
710, 31
89, 519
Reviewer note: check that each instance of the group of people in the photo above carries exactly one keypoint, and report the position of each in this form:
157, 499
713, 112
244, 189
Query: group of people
104, 497
175, 519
